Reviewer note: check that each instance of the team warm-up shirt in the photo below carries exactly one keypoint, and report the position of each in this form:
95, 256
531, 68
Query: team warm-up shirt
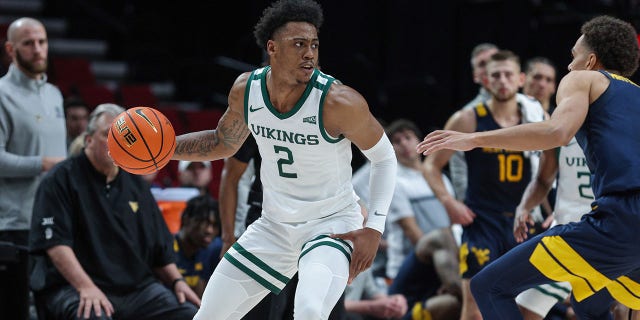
32, 126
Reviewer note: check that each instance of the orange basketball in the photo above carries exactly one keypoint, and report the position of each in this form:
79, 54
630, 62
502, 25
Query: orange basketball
141, 140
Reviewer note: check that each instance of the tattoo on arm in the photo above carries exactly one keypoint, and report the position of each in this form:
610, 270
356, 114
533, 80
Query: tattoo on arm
234, 134
205, 143
201, 144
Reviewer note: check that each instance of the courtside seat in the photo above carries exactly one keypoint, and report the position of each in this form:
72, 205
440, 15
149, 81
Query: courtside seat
175, 116
135, 95
95, 94
72, 71
206, 119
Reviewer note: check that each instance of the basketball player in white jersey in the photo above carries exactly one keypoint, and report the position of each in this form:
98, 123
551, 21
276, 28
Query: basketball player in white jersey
304, 123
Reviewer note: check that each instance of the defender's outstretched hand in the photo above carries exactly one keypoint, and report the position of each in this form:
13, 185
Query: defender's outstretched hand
445, 139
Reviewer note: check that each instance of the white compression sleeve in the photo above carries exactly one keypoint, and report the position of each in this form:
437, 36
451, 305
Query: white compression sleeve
382, 182
322, 277
230, 294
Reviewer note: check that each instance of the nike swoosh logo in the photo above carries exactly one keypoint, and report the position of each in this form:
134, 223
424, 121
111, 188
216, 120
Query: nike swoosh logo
144, 116
251, 109
375, 213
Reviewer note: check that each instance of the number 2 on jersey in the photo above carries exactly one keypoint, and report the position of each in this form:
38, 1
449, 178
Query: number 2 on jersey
585, 188
287, 160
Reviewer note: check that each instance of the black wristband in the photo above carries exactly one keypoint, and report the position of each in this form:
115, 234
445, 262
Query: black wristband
173, 284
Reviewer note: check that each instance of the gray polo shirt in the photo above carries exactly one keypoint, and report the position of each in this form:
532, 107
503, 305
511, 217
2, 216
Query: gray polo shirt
32, 126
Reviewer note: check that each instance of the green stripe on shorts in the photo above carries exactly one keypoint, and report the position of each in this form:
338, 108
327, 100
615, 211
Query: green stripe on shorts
258, 263
559, 298
327, 243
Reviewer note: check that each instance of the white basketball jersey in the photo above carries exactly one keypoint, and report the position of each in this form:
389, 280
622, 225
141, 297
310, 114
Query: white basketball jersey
306, 174
574, 193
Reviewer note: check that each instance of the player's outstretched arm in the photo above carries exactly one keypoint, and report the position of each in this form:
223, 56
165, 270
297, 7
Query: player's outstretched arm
223, 141
574, 96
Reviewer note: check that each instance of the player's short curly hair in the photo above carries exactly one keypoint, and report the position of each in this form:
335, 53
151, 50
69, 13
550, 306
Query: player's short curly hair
614, 42
283, 11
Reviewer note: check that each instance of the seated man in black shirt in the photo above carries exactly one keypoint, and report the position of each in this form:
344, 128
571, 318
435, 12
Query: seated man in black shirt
100, 245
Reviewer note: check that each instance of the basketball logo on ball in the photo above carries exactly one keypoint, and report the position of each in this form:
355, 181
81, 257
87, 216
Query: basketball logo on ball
141, 140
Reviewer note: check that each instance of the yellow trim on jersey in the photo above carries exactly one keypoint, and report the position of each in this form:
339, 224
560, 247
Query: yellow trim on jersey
621, 78
625, 291
481, 110
555, 258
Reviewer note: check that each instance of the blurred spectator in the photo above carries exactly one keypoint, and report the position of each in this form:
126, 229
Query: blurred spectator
99, 241
195, 175
76, 146
429, 279
364, 299
194, 180
197, 245
32, 140
172, 202
414, 209
540, 81
76, 114
457, 164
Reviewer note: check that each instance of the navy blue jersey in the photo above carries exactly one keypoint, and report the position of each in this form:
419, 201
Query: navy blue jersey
496, 177
201, 265
610, 138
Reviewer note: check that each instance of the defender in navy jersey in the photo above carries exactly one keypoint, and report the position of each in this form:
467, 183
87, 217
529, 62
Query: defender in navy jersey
496, 177
601, 107
304, 123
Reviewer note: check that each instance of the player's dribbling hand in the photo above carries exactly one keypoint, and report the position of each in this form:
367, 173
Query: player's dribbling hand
365, 244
